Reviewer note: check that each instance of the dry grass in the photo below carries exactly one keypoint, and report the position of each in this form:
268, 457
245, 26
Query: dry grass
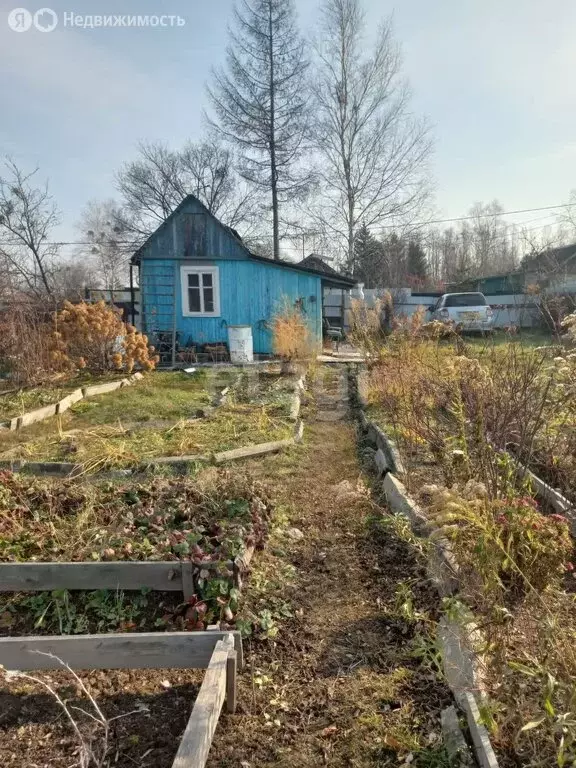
158, 417
451, 410
116, 446
291, 337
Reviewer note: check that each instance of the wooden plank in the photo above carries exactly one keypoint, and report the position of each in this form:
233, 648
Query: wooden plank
40, 414
101, 389
252, 450
145, 650
70, 400
239, 650
197, 738
188, 459
23, 577
187, 575
480, 738
56, 468
231, 681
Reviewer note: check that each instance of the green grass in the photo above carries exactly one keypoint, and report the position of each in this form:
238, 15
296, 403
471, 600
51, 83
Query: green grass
170, 395
24, 400
157, 417
528, 337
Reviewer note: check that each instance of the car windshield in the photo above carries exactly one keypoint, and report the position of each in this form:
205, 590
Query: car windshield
465, 300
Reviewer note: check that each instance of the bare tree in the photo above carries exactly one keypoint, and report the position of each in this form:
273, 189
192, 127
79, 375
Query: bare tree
72, 277
260, 101
148, 186
28, 215
494, 241
208, 170
374, 153
106, 242
154, 184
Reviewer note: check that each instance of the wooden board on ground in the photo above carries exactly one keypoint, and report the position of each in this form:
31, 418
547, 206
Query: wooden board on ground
101, 389
146, 650
197, 738
69, 401
38, 415
163, 576
252, 450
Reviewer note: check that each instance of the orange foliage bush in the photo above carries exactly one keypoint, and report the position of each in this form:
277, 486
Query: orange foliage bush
290, 334
93, 337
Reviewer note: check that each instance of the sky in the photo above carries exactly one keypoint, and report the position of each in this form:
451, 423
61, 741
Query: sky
494, 77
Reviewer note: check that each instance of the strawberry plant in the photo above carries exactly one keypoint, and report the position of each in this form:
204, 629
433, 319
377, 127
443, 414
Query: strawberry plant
69, 613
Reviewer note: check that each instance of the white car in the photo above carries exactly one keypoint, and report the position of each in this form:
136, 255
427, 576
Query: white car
468, 311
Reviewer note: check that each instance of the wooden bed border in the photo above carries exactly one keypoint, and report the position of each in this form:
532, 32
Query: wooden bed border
219, 652
162, 576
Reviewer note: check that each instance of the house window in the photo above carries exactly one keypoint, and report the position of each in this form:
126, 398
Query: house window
200, 291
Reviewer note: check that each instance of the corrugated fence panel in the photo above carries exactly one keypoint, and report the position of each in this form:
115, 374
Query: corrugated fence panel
509, 309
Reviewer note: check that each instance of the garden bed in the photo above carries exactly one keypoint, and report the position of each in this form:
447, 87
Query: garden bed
506, 557
15, 402
207, 522
219, 653
168, 414
34, 732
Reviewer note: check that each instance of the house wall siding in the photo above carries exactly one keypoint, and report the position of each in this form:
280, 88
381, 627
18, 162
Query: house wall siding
250, 293
193, 233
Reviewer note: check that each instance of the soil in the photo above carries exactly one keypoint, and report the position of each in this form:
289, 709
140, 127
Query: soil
340, 685
349, 680
35, 733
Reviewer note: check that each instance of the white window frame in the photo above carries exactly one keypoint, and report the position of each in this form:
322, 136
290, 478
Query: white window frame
215, 272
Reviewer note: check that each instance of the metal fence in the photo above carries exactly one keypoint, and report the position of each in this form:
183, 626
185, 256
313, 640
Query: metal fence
510, 309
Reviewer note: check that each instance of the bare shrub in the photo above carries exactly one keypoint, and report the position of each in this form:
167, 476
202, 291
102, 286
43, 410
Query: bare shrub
369, 326
462, 406
291, 338
24, 344
93, 741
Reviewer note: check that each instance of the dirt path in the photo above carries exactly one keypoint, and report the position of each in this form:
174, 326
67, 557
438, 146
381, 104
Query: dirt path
350, 679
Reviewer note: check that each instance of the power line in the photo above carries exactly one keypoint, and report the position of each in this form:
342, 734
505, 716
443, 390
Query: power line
311, 233
481, 216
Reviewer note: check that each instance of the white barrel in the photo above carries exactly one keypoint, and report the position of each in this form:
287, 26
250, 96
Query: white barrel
241, 344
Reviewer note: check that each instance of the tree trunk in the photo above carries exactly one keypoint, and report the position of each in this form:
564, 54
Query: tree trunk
351, 264
275, 221
273, 169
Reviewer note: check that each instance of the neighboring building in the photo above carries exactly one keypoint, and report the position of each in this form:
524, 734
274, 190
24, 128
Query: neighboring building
125, 299
197, 277
553, 270
335, 300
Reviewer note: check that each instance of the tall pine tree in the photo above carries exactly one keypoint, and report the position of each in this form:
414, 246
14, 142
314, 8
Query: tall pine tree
260, 100
417, 265
369, 263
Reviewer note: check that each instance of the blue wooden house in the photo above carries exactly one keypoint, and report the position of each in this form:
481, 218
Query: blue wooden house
197, 277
